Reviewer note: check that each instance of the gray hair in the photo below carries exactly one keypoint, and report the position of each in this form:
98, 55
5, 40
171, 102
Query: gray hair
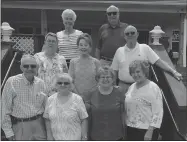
69, 11
103, 70
144, 64
113, 7
24, 56
61, 75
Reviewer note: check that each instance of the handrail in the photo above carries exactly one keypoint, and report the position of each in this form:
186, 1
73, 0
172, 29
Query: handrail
176, 127
5, 78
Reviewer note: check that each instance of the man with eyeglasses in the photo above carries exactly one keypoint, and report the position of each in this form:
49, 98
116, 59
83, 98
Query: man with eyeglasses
135, 51
23, 103
111, 36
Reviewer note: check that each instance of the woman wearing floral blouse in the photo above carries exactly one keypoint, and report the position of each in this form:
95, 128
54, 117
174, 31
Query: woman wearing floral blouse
50, 63
143, 104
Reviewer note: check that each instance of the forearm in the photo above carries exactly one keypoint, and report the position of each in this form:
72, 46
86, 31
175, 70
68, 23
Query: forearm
48, 129
84, 128
163, 65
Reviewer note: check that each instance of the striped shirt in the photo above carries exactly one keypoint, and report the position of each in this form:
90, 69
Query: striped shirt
67, 44
22, 100
66, 118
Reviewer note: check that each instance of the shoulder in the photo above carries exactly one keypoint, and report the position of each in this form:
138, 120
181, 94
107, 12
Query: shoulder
59, 33
52, 98
95, 60
120, 50
76, 97
144, 46
74, 60
104, 26
78, 32
153, 85
124, 25
60, 56
13, 78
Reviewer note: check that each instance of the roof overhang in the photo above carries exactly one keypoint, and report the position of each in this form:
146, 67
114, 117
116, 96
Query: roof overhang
167, 6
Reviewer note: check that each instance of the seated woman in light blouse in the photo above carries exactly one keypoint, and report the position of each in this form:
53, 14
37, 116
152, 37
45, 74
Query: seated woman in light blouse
105, 105
83, 69
65, 113
143, 103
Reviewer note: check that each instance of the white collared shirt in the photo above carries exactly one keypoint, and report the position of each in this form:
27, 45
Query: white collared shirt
124, 56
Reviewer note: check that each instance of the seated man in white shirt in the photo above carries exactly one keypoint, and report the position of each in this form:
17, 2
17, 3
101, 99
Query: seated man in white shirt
23, 103
135, 51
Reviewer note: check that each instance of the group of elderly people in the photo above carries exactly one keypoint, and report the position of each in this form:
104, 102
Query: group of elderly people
89, 99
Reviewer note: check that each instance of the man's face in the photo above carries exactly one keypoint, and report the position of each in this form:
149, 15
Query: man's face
113, 15
51, 42
29, 66
131, 34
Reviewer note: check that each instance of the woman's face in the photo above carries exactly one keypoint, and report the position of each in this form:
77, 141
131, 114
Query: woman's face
138, 75
106, 79
84, 47
68, 20
63, 85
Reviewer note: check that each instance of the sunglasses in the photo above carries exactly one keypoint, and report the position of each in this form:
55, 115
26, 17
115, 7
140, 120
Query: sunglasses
65, 83
112, 13
31, 66
130, 33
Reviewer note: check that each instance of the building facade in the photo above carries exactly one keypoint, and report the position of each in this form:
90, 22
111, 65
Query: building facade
40, 17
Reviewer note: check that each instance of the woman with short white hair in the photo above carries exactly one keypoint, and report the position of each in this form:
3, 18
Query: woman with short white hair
65, 113
67, 38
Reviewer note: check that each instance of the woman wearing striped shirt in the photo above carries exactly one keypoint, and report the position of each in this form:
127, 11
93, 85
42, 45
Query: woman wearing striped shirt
67, 38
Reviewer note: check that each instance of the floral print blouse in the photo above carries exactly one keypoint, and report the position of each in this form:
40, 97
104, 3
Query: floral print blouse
144, 106
48, 68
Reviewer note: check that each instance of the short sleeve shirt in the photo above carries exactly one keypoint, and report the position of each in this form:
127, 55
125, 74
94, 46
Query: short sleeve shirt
110, 39
65, 118
106, 123
124, 56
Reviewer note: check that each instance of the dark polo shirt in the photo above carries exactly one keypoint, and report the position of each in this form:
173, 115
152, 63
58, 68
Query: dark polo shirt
110, 39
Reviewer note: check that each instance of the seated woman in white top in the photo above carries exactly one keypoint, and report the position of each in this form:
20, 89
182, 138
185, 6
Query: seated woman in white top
68, 37
144, 107
50, 63
65, 113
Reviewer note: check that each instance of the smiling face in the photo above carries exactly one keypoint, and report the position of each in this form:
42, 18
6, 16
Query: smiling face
106, 79
51, 43
131, 34
113, 15
68, 20
63, 84
29, 67
138, 75
84, 47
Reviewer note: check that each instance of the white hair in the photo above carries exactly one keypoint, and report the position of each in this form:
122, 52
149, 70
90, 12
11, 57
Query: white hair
26, 56
69, 11
112, 7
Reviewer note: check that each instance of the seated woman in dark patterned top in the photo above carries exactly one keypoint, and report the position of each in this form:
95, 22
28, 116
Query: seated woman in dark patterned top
105, 105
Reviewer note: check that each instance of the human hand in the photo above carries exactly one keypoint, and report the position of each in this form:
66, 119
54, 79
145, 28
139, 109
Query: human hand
177, 75
11, 138
148, 135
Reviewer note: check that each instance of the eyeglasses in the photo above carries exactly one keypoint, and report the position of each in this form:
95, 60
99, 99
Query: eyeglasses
130, 33
112, 13
65, 83
31, 66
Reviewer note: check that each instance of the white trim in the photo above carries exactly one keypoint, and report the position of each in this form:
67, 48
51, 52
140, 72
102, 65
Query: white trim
185, 40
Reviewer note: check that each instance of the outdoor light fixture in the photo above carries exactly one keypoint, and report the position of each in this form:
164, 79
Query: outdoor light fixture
156, 34
6, 31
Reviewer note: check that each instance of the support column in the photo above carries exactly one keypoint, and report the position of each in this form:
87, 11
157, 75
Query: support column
182, 43
43, 22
